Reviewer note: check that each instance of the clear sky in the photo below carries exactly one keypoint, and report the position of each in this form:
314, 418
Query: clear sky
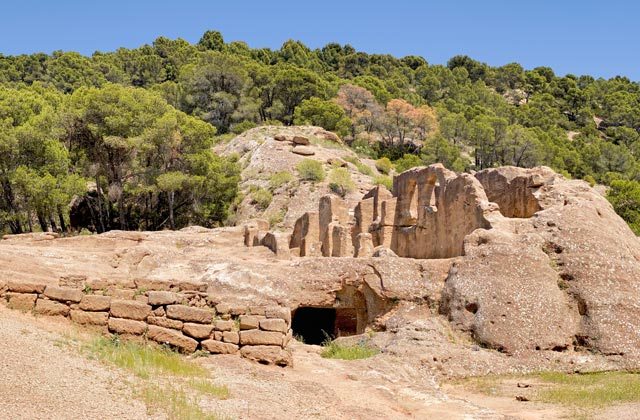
582, 37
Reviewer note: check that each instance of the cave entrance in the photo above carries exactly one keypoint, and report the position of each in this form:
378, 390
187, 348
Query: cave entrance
316, 325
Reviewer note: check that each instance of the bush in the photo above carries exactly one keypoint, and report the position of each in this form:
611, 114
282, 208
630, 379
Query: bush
279, 179
385, 180
340, 181
384, 165
243, 126
361, 167
407, 162
311, 170
261, 198
364, 148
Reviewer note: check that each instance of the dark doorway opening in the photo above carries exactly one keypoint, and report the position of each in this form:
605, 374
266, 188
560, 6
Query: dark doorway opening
314, 325
317, 325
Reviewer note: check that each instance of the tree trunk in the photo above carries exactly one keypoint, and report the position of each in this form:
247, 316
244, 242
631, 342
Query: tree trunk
42, 221
171, 221
63, 225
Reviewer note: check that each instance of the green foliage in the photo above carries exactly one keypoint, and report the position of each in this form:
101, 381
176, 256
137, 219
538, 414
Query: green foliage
384, 180
121, 119
333, 350
142, 360
407, 161
340, 181
311, 170
384, 165
326, 114
261, 197
279, 179
625, 198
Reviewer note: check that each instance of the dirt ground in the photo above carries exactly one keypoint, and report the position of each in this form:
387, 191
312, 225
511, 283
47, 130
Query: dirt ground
43, 377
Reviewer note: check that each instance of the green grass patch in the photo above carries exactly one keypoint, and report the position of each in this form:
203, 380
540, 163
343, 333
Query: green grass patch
260, 197
207, 387
590, 389
333, 350
143, 360
361, 167
311, 170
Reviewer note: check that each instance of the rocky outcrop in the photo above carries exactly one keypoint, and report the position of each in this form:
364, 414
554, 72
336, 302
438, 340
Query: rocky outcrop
538, 262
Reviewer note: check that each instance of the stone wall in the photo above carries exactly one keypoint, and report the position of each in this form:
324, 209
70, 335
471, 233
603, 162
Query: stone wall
428, 216
179, 314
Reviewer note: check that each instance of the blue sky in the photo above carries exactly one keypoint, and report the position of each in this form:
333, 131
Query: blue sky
581, 37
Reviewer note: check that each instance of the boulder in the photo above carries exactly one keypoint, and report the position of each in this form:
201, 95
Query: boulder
301, 140
303, 151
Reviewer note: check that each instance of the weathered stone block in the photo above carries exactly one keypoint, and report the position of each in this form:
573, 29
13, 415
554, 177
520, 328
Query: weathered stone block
89, 318
231, 337
51, 308
223, 325
198, 331
159, 311
257, 310
342, 245
217, 335
122, 294
257, 337
130, 309
275, 355
189, 314
19, 286
364, 245
218, 347
95, 303
223, 308
21, 301
126, 326
278, 242
161, 321
274, 324
63, 294
250, 322
162, 298
173, 338
279, 312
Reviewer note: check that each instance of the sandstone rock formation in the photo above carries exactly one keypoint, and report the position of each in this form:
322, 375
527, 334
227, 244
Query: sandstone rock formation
519, 260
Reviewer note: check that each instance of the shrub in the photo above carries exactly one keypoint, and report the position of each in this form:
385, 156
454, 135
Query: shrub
279, 179
311, 170
340, 181
361, 167
364, 148
243, 126
385, 180
384, 165
625, 198
407, 162
261, 198
333, 350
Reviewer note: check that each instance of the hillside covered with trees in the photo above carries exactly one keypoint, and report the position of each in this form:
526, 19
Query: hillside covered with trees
132, 130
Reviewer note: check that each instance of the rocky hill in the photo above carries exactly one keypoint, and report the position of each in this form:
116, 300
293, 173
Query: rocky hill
269, 158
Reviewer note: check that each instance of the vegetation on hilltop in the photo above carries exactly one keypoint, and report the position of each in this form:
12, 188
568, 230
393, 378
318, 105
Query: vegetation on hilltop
139, 123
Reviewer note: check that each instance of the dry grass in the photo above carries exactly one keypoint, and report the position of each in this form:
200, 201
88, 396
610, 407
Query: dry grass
590, 389
167, 382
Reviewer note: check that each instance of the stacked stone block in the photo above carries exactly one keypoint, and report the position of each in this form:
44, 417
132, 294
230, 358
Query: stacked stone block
179, 314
